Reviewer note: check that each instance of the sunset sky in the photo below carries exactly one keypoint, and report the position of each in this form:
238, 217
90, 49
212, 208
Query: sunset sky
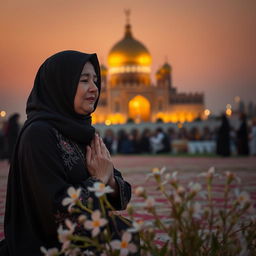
211, 44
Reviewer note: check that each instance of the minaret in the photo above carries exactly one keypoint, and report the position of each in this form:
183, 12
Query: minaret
164, 77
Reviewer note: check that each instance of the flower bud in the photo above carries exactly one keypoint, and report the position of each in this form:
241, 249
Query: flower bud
130, 209
82, 218
181, 190
150, 203
140, 191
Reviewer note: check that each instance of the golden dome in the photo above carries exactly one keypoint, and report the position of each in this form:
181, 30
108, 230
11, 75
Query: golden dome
129, 52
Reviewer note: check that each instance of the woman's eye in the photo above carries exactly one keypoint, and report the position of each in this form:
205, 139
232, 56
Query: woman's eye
84, 80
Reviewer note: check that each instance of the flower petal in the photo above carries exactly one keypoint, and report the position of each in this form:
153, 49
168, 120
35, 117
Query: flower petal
66, 201
103, 222
71, 191
124, 252
95, 232
99, 193
115, 244
132, 248
127, 237
88, 224
96, 215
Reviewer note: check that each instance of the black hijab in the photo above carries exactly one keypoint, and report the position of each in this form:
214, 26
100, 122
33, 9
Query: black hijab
52, 97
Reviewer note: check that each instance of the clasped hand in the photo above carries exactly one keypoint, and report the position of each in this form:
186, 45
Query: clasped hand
99, 161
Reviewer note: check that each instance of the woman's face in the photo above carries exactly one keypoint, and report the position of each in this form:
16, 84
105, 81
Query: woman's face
87, 91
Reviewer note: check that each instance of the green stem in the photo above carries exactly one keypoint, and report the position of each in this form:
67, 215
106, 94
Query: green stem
80, 204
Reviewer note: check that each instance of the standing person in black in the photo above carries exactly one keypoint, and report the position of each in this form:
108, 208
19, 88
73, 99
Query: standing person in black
223, 137
242, 137
12, 133
57, 149
109, 140
145, 141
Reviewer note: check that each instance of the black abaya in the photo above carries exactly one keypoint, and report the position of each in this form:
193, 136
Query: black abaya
49, 158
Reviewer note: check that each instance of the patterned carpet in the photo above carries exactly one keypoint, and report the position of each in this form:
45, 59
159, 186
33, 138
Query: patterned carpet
136, 168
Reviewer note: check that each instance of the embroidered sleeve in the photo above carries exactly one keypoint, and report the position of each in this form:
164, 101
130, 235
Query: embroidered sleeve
120, 202
68, 150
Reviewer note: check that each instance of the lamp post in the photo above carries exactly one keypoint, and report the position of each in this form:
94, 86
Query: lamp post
228, 110
2, 116
2, 113
207, 113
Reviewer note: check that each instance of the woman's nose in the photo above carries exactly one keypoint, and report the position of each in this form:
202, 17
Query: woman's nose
93, 86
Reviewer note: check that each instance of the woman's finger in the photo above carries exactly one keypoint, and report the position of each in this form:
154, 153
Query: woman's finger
93, 146
88, 154
97, 145
104, 149
102, 146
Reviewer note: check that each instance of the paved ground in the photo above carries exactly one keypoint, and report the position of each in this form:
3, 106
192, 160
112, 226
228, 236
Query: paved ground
135, 168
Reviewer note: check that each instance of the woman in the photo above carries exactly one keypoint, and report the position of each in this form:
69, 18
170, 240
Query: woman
242, 137
223, 137
57, 148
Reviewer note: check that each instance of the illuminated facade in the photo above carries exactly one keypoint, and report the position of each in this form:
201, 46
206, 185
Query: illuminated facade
128, 94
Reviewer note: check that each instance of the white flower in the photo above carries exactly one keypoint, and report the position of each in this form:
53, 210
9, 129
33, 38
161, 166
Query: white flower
194, 187
95, 223
82, 218
49, 252
181, 190
209, 174
171, 178
231, 176
64, 234
73, 197
242, 198
70, 225
156, 172
136, 226
139, 191
150, 202
100, 189
124, 246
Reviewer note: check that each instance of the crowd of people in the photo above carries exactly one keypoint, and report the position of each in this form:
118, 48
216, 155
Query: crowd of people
228, 141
